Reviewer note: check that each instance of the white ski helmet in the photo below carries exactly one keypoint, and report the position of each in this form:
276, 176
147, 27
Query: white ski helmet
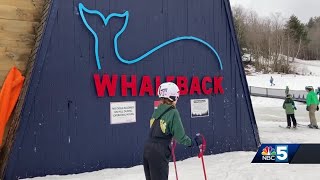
169, 90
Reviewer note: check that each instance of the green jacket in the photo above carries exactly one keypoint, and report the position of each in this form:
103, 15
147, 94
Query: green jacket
289, 106
170, 123
312, 99
287, 90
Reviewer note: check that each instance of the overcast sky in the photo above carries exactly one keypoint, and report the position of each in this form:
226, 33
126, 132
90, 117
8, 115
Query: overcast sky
303, 9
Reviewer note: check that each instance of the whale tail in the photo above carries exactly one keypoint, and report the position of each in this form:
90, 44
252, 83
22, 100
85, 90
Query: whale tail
83, 11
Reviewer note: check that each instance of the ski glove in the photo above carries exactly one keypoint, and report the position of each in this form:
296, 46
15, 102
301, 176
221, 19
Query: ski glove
197, 141
307, 108
295, 108
317, 108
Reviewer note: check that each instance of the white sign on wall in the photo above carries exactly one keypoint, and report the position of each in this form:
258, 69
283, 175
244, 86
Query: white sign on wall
122, 112
199, 108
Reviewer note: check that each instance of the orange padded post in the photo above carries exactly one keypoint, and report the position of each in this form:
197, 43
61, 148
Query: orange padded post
8, 97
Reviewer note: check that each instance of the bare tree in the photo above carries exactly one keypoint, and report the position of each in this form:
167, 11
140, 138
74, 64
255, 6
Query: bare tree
269, 39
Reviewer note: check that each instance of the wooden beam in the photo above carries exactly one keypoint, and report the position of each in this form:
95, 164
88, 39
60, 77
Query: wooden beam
13, 56
17, 26
10, 57
24, 3
16, 43
19, 20
15, 13
4, 50
5, 66
12, 36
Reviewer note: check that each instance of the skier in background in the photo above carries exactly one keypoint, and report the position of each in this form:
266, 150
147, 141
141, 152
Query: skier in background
287, 90
312, 106
318, 92
271, 81
165, 124
289, 106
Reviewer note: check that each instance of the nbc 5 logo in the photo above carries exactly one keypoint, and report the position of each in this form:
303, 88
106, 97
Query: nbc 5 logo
282, 153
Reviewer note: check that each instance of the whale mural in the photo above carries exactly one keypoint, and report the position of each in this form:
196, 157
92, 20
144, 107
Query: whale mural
125, 15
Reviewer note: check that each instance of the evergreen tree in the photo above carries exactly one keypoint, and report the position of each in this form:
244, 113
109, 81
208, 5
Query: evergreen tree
295, 29
310, 23
297, 36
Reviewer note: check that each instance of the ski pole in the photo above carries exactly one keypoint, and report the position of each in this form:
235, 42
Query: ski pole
202, 149
173, 146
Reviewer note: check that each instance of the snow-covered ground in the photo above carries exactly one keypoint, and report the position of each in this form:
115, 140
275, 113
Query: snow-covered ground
235, 165
307, 67
295, 82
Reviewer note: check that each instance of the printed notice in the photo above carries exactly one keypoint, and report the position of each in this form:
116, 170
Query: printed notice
122, 112
199, 108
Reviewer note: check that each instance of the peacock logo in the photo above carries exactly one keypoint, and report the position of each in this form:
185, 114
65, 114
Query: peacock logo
268, 151
125, 16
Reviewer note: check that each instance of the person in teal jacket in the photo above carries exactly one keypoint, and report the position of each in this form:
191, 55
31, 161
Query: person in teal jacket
165, 124
289, 106
312, 106
287, 90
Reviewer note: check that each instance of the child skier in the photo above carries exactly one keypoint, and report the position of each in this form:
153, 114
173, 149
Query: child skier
289, 106
165, 124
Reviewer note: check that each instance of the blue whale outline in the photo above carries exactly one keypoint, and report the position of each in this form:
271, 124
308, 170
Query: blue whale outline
125, 15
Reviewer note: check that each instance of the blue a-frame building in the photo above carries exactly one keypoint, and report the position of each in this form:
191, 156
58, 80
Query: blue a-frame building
64, 127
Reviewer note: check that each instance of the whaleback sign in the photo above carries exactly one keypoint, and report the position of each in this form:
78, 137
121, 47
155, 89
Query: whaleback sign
207, 85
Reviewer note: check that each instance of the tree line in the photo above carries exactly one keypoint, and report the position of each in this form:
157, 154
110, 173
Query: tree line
272, 42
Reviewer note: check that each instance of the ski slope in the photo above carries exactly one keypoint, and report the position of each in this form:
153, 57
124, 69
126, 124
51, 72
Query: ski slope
295, 82
234, 165
307, 67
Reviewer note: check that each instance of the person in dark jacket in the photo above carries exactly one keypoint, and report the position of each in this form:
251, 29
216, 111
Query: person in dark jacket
289, 106
165, 125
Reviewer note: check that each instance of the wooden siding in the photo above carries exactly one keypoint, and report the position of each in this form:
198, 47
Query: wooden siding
19, 20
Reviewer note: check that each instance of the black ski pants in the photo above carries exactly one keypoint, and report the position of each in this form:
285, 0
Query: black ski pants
289, 118
156, 161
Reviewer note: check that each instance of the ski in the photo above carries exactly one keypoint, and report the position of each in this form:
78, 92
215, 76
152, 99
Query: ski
285, 127
302, 125
305, 126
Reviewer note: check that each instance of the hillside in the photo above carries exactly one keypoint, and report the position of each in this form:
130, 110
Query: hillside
307, 73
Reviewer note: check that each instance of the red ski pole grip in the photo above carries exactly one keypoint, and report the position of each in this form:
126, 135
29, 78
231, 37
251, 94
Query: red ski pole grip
202, 147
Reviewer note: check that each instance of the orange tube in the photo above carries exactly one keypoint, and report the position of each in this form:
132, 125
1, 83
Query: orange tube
8, 97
